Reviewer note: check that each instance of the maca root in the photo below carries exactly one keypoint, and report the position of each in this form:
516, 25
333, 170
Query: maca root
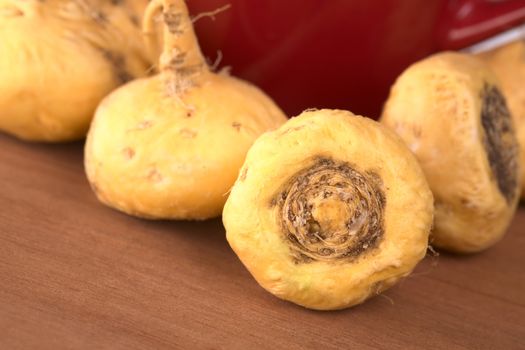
156, 141
329, 210
462, 133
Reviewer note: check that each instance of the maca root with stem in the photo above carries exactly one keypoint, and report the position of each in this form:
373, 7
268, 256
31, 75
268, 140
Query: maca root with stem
170, 146
328, 210
59, 58
450, 111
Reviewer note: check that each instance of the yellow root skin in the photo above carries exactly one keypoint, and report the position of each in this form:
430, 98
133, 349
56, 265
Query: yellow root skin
508, 63
60, 58
154, 155
435, 107
252, 222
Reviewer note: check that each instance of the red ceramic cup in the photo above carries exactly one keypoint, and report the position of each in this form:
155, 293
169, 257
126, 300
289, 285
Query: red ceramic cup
341, 53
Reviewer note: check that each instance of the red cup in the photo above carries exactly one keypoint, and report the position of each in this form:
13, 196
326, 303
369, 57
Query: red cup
341, 53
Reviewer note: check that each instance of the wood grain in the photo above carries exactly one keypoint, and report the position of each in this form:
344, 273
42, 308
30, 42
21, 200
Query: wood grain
77, 275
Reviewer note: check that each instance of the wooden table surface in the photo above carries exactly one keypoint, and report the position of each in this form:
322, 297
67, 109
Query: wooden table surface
77, 275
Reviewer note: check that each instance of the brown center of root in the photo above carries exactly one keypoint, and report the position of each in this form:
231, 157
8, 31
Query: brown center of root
500, 141
331, 212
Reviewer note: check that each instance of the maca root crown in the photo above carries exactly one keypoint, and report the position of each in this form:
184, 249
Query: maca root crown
508, 63
331, 212
500, 141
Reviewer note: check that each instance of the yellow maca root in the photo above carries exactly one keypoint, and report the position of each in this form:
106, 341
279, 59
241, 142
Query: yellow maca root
329, 210
508, 63
59, 58
171, 146
449, 110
